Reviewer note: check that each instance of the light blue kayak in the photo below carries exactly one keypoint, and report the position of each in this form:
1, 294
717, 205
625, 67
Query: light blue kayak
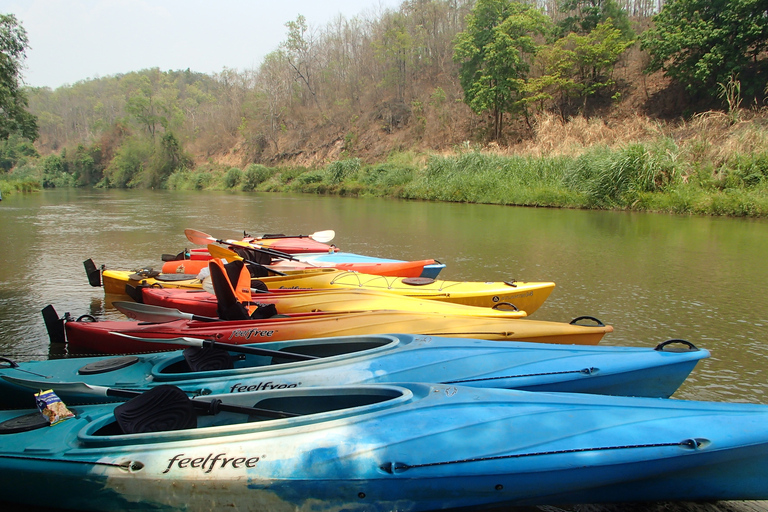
430, 271
369, 359
406, 447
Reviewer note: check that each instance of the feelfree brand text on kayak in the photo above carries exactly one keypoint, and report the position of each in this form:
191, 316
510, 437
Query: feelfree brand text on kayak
211, 462
247, 334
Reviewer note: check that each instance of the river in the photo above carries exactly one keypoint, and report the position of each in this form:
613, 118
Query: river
652, 276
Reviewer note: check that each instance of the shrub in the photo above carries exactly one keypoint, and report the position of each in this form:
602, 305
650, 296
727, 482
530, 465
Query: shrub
233, 177
255, 174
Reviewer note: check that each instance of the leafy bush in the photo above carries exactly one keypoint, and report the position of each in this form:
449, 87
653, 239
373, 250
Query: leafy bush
233, 177
255, 175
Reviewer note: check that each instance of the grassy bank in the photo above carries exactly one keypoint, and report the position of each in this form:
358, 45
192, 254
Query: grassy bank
15, 186
719, 168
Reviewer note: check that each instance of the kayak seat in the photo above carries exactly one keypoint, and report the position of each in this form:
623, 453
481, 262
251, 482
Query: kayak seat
206, 359
252, 255
228, 306
259, 285
264, 311
162, 408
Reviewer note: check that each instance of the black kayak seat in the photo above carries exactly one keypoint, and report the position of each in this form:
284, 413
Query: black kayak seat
159, 409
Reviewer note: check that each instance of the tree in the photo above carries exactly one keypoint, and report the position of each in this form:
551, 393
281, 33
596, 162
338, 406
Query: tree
582, 65
494, 53
585, 15
701, 43
301, 53
13, 100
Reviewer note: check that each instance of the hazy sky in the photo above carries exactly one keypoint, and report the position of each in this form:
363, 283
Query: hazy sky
73, 40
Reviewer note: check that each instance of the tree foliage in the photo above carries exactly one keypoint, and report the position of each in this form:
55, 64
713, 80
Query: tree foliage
14, 116
702, 43
495, 54
580, 66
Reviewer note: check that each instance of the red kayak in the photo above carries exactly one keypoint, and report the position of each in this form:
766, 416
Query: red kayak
109, 336
284, 245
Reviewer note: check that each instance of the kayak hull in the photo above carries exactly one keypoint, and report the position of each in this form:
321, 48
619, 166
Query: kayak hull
378, 359
100, 337
525, 296
394, 268
393, 447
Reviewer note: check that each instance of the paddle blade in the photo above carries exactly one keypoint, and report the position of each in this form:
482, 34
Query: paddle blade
189, 342
69, 387
323, 236
149, 313
198, 237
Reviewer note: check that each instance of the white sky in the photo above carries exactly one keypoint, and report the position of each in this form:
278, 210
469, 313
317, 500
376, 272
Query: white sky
73, 40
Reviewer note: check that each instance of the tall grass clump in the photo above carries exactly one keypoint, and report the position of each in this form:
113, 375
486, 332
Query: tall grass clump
489, 178
617, 178
342, 170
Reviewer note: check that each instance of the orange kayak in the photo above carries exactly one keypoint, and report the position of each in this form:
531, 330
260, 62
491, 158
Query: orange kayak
389, 268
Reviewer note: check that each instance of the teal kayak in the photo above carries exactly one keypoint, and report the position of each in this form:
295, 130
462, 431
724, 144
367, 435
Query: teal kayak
406, 447
225, 368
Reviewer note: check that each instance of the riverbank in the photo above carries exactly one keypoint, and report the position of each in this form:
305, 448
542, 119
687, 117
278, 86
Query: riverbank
712, 165
14, 186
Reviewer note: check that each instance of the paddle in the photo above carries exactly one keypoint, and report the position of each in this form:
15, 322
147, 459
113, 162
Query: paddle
264, 250
241, 349
88, 389
318, 236
226, 254
156, 314
200, 238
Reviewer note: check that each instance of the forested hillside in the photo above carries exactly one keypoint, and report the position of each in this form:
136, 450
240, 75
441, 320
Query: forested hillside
431, 76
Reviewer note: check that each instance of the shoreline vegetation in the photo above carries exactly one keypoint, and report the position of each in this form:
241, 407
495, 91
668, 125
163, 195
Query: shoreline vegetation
607, 104
709, 165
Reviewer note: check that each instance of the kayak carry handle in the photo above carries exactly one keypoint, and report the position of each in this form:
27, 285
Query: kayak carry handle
585, 317
496, 306
12, 363
662, 347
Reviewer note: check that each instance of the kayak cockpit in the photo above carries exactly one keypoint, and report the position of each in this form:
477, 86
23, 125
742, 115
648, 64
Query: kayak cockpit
165, 413
195, 363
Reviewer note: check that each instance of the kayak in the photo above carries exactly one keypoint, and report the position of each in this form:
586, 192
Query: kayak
86, 335
525, 296
393, 268
408, 447
219, 368
203, 303
326, 256
288, 245
430, 270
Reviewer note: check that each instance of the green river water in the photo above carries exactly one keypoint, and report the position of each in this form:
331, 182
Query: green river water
653, 277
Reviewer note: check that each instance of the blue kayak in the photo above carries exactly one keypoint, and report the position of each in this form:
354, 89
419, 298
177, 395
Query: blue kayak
406, 447
224, 368
430, 271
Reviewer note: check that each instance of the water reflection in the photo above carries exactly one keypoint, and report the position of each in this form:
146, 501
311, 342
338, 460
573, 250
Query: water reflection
653, 277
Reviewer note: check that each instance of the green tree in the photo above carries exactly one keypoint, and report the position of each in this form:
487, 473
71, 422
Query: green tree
701, 43
585, 15
494, 53
582, 65
13, 100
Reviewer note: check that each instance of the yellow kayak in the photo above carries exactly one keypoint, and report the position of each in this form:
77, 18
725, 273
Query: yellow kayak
525, 296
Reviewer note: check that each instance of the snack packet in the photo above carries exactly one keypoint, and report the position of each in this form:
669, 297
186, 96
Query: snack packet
52, 407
